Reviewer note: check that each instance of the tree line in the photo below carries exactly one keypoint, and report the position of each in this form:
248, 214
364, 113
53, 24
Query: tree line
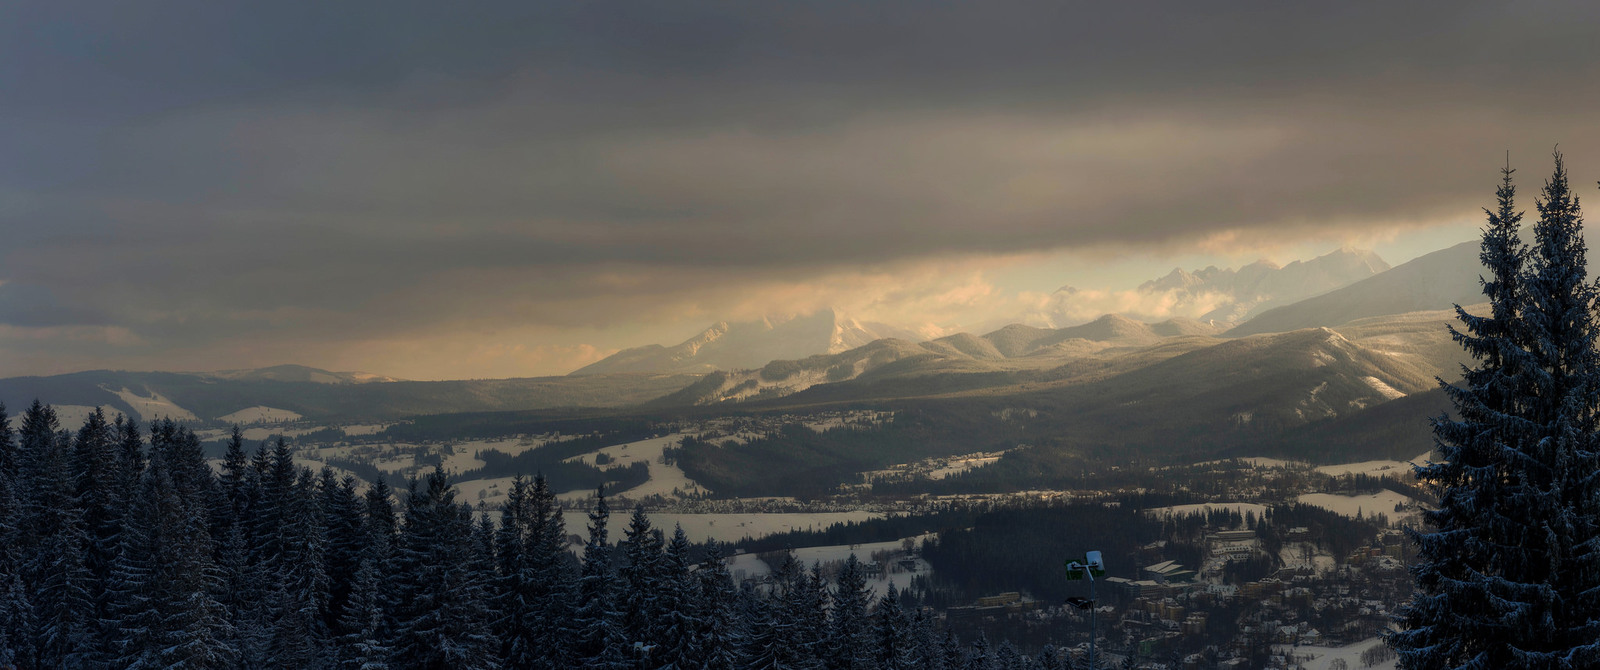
124, 548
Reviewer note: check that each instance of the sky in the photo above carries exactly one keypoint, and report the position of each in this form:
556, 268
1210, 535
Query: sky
507, 188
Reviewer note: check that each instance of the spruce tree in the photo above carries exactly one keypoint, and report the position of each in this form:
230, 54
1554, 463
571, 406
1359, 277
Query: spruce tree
163, 609
551, 573
346, 543
1509, 575
719, 641
925, 641
950, 651
300, 632
979, 657
439, 615
639, 578
802, 611
675, 647
361, 646
516, 591
600, 639
16, 613
894, 643
53, 543
848, 637
769, 646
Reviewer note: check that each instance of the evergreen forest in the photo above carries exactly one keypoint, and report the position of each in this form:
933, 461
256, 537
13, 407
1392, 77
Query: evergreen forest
122, 547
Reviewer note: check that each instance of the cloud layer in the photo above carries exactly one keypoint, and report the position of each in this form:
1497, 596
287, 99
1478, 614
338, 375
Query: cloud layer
193, 184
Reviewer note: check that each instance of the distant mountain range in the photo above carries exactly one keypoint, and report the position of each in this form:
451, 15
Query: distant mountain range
1430, 282
750, 344
320, 394
299, 373
1228, 295
1339, 359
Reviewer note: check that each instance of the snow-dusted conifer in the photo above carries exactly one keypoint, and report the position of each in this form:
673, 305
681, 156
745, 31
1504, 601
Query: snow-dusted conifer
601, 642
361, 646
849, 639
346, 543
1509, 576
681, 623
516, 590
640, 581
953, 658
979, 657
550, 569
892, 628
720, 640
53, 541
439, 618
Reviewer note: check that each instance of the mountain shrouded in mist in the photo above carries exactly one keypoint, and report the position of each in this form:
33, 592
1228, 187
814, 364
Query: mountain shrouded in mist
750, 344
1221, 295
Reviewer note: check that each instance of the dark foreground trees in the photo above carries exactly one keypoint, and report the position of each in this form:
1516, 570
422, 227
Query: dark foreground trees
122, 549
1509, 577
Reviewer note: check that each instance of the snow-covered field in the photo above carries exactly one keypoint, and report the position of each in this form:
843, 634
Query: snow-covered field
510, 446
1376, 468
154, 407
1382, 501
365, 428
259, 414
753, 566
1321, 658
461, 460
491, 492
663, 478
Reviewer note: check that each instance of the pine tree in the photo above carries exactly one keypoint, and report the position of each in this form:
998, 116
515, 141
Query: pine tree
346, 543
550, 568
950, 651
675, 648
162, 607
16, 613
601, 642
801, 611
300, 634
94, 464
1509, 577
926, 642
1049, 659
516, 591
361, 646
769, 646
53, 543
979, 656
439, 619
720, 639
848, 639
1006, 657
893, 632
639, 578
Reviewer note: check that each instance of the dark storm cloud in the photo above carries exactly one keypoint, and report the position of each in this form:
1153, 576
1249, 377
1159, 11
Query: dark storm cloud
193, 170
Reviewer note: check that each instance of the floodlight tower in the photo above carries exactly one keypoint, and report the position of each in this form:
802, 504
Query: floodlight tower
1091, 566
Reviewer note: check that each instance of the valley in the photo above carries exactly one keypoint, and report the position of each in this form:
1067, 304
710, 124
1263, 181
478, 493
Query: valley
1248, 483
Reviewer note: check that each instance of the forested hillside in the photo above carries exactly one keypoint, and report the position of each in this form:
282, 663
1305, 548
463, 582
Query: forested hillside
121, 548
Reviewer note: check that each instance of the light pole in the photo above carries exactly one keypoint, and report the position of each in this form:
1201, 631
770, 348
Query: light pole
1091, 566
